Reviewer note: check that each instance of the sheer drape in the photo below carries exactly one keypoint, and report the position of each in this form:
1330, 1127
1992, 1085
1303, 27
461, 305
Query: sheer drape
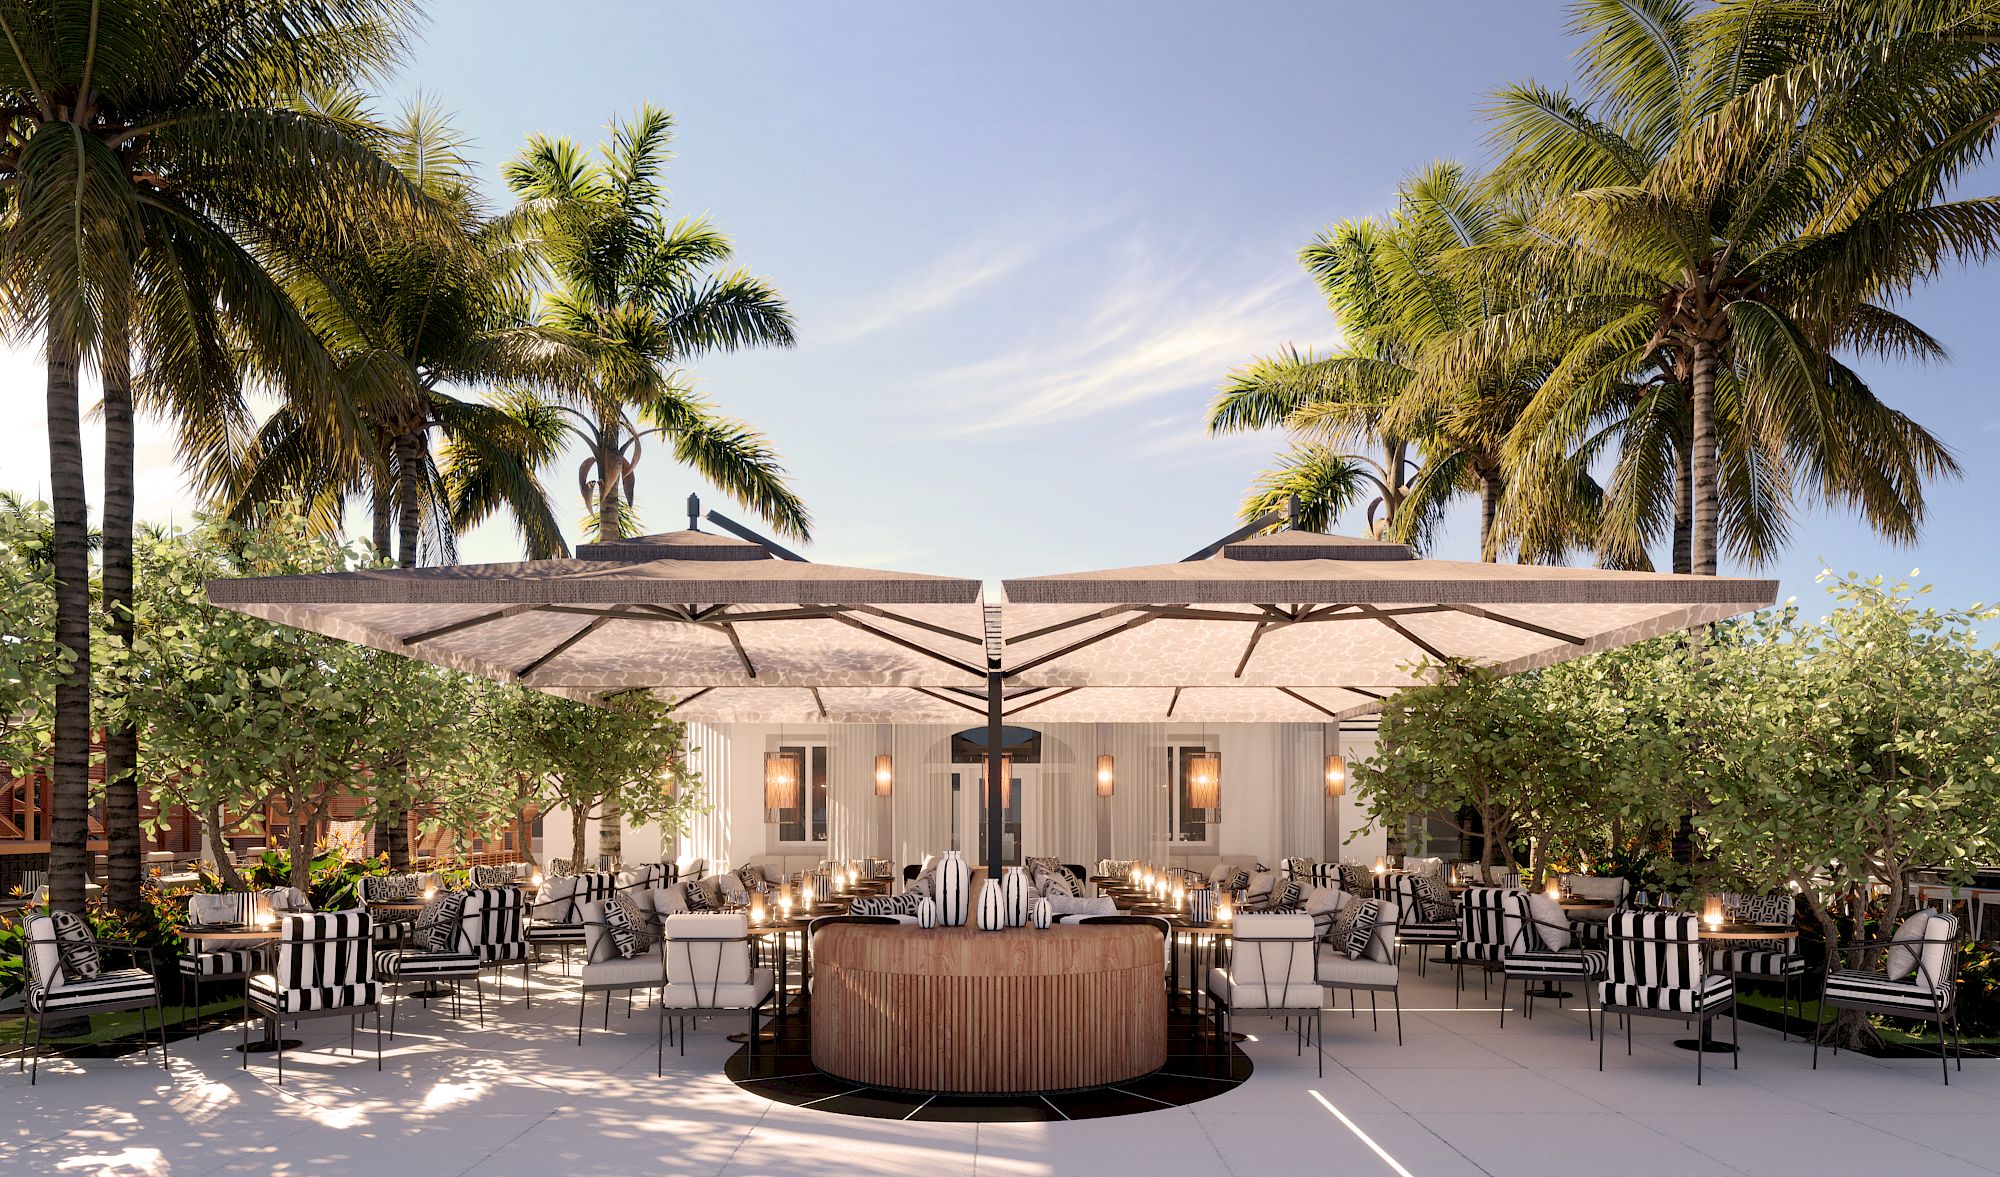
708, 833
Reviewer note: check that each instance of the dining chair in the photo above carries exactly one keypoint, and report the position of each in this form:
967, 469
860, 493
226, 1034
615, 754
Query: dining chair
65, 978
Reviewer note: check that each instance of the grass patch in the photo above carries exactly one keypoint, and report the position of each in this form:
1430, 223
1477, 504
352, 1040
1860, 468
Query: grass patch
1770, 1003
124, 1024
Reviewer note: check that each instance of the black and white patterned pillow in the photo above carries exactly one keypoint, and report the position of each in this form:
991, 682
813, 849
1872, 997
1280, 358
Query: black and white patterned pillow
1362, 929
904, 904
1286, 898
492, 876
753, 878
76, 947
437, 925
922, 887
697, 897
1356, 879
1434, 902
1233, 879
1761, 909
626, 925
1055, 883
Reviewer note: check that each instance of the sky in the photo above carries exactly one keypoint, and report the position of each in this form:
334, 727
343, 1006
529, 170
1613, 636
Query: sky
1025, 241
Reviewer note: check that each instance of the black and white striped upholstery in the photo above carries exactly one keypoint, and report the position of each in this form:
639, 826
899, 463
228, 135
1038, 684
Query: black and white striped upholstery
1912, 994
396, 965
1711, 992
1482, 922
1761, 962
1925, 944
228, 962
1414, 929
494, 925
121, 987
1566, 962
1656, 964
323, 962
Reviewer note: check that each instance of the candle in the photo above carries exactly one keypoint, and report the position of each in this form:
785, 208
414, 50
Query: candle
1180, 898
1712, 911
1381, 865
1223, 911
757, 908
535, 880
806, 895
1555, 890
430, 893
785, 906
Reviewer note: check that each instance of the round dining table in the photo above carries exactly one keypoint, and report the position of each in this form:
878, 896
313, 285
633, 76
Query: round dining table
197, 934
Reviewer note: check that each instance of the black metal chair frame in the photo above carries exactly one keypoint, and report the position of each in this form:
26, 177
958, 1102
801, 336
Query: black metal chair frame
684, 1014
584, 989
1943, 1007
1352, 987
366, 938
1705, 1032
30, 1056
1527, 992
1227, 1011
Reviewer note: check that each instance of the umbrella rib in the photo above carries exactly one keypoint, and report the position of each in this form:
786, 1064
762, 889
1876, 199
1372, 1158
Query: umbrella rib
468, 623
1073, 647
904, 642
1400, 628
589, 628
818, 702
678, 703
1072, 623
1174, 702
1045, 698
943, 698
1517, 623
749, 667
940, 630
1308, 702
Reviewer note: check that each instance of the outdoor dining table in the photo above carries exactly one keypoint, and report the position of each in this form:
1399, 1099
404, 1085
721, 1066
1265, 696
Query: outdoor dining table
197, 933
780, 933
1723, 934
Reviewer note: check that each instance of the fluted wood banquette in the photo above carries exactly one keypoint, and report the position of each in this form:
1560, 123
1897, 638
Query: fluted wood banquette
961, 1010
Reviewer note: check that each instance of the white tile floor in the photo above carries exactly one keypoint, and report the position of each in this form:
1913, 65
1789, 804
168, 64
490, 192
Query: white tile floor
1461, 1096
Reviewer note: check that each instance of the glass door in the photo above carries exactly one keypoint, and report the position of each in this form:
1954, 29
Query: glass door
968, 811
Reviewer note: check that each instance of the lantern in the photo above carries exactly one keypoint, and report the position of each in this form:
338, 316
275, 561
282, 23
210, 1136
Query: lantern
1381, 864
1712, 911
1223, 911
1107, 776
885, 775
1204, 781
1555, 890
758, 909
1336, 775
781, 784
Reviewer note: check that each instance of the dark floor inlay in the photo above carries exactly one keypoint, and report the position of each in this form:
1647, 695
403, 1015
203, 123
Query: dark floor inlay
782, 1071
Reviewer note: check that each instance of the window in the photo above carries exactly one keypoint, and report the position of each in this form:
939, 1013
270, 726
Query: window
808, 822
1184, 822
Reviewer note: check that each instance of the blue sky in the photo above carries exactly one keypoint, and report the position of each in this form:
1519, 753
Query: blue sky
1025, 240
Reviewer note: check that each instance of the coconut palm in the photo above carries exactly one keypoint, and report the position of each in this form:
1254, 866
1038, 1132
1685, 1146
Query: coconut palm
1684, 228
412, 313
652, 297
142, 157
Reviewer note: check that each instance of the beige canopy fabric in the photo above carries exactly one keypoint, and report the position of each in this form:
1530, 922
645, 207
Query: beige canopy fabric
679, 612
1296, 625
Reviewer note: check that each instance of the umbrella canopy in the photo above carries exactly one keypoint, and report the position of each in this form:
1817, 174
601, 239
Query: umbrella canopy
1299, 626
681, 612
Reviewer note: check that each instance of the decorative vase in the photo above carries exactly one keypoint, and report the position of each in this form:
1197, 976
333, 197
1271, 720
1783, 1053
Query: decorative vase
927, 913
1014, 896
992, 908
1200, 907
952, 881
1045, 914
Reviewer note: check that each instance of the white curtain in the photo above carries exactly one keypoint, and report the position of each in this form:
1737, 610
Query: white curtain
1301, 794
1139, 800
850, 790
1065, 810
923, 790
708, 832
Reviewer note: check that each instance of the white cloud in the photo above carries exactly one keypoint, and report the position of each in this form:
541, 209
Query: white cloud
939, 285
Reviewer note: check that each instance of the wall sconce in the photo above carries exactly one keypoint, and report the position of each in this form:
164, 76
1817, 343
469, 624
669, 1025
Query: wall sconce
885, 775
1107, 776
1336, 775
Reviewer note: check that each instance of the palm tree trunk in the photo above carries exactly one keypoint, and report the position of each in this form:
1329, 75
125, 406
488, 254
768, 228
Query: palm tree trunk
1702, 468
382, 508
1683, 506
610, 476
122, 840
1490, 487
408, 511
69, 807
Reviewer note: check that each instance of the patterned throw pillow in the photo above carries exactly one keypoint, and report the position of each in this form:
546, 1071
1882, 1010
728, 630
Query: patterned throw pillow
626, 925
921, 887
904, 904
1285, 898
1055, 883
437, 925
1434, 900
492, 876
1356, 879
76, 947
697, 897
1235, 879
1761, 909
1362, 930
1336, 928
753, 878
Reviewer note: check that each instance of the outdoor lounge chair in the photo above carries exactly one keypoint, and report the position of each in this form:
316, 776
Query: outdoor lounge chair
558, 911
438, 953
1272, 972
66, 978
709, 970
606, 971
1413, 928
1372, 972
1657, 970
1482, 933
323, 968
1925, 990
223, 960
1540, 948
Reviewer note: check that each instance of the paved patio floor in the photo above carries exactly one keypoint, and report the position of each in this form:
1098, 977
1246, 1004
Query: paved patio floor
1462, 1096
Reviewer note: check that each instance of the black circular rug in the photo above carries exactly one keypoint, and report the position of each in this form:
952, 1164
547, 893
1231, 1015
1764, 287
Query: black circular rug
781, 1070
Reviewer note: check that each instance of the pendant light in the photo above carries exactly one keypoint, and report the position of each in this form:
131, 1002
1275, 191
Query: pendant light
1107, 776
1336, 774
1204, 787
885, 775
781, 785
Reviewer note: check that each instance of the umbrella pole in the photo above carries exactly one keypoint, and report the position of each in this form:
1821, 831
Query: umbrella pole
995, 814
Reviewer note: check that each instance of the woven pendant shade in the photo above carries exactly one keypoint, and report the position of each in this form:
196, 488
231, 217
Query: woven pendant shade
781, 784
1336, 775
885, 775
1107, 776
1204, 787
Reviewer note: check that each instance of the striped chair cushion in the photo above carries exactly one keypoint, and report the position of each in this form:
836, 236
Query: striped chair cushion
320, 952
1656, 949
1541, 962
503, 953
1715, 991
395, 966
556, 934
1852, 987
494, 925
1482, 918
123, 985
233, 962
264, 994
1427, 933
1487, 953
1758, 962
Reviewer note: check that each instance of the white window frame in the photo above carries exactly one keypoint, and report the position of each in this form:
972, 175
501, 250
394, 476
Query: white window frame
1176, 745
805, 745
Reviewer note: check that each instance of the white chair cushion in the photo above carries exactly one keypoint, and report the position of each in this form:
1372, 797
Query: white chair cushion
1610, 890
1336, 969
736, 995
1253, 994
643, 969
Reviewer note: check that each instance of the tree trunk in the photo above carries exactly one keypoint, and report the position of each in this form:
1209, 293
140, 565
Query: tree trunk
1683, 507
1490, 488
69, 808
392, 823
218, 846
579, 818
409, 513
1703, 471
611, 832
123, 843
610, 477
305, 820
382, 509
1849, 1029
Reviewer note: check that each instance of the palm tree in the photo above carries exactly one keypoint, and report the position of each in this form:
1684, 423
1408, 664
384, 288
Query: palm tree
142, 155
651, 297
411, 313
1685, 227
